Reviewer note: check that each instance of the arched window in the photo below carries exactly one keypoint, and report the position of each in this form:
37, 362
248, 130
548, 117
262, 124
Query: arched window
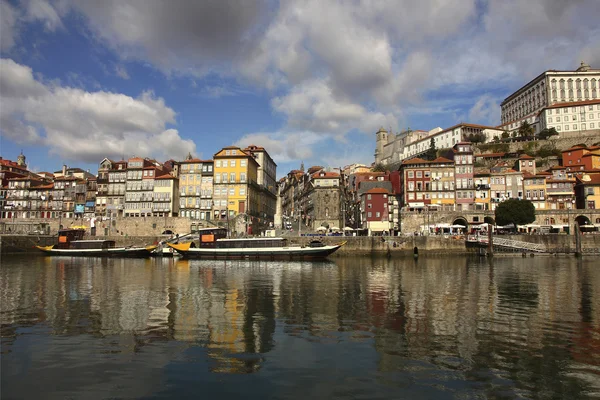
578, 83
562, 83
585, 83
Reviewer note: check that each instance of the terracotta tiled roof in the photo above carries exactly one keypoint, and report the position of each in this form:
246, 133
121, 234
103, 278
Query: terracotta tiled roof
526, 157
326, 175
574, 103
166, 176
377, 191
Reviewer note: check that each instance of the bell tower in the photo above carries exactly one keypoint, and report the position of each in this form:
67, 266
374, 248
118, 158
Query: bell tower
381, 140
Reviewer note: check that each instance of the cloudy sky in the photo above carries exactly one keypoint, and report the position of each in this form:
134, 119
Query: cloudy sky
310, 81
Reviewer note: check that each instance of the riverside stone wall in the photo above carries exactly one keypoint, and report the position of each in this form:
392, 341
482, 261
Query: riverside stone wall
355, 246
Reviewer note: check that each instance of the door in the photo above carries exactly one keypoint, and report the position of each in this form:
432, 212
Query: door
242, 207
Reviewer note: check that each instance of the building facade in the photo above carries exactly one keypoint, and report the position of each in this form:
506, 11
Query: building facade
548, 89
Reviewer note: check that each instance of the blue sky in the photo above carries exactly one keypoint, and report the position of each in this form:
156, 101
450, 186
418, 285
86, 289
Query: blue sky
311, 81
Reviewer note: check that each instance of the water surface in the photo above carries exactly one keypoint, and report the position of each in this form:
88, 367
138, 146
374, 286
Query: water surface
437, 328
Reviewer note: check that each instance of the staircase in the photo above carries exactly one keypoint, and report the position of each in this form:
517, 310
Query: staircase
509, 244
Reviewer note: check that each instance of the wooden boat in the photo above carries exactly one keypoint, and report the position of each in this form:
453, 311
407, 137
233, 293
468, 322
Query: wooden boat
71, 243
213, 245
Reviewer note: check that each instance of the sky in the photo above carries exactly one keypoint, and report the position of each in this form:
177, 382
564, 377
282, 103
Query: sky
310, 81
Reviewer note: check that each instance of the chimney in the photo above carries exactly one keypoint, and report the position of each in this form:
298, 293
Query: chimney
64, 169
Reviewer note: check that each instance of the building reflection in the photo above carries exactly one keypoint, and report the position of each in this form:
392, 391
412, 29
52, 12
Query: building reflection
449, 312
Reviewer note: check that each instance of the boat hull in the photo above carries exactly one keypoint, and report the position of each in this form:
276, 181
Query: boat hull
138, 252
271, 253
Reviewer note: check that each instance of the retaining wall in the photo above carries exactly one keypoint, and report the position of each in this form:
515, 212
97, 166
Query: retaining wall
355, 246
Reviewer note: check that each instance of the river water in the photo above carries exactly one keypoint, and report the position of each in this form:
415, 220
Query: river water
436, 328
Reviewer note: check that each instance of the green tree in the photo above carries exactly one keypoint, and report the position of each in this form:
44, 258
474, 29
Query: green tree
515, 211
505, 135
380, 168
431, 154
476, 138
525, 130
547, 133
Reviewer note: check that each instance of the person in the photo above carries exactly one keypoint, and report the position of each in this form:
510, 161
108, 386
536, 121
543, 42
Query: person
93, 226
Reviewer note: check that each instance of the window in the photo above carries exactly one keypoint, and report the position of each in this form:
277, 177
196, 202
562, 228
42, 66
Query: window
232, 163
218, 164
224, 177
574, 117
243, 163
378, 214
574, 127
242, 177
566, 127
227, 152
419, 174
368, 197
557, 119
232, 191
232, 177
549, 119
242, 191
224, 163
411, 174
369, 214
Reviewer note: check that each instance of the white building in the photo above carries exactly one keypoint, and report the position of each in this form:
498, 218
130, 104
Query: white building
392, 149
571, 118
547, 89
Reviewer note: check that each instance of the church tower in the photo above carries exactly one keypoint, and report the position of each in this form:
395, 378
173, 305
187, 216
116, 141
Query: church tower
21, 160
382, 140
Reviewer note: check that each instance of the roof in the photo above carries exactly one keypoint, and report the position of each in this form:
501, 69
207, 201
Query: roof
195, 160
368, 185
526, 157
326, 175
574, 103
377, 190
166, 176
593, 180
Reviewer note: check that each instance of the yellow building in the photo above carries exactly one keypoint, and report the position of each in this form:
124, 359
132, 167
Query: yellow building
235, 186
534, 189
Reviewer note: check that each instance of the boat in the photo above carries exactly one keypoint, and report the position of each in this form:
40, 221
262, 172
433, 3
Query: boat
71, 243
214, 244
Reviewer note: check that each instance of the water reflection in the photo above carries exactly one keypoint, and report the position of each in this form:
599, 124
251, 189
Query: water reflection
505, 328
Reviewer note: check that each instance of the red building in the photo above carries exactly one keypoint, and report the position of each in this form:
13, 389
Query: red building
375, 210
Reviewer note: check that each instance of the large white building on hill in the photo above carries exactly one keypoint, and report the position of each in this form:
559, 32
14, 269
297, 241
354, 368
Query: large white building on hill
395, 148
547, 90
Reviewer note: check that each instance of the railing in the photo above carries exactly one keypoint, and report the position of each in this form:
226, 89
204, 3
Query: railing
508, 243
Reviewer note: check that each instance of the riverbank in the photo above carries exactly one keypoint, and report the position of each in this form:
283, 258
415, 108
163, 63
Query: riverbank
355, 246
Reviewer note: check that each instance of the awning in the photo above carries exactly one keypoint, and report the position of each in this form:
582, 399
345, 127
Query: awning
90, 204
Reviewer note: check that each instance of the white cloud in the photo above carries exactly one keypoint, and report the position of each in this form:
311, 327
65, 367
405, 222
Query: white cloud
8, 21
121, 72
486, 110
284, 147
85, 126
334, 67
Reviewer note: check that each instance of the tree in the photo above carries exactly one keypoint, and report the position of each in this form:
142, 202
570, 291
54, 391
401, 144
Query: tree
515, 211
476, 138
505, 135
547, 133
525, 130
431, 154
380, 168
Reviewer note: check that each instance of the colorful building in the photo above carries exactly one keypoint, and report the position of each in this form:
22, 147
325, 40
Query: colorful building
235, 187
